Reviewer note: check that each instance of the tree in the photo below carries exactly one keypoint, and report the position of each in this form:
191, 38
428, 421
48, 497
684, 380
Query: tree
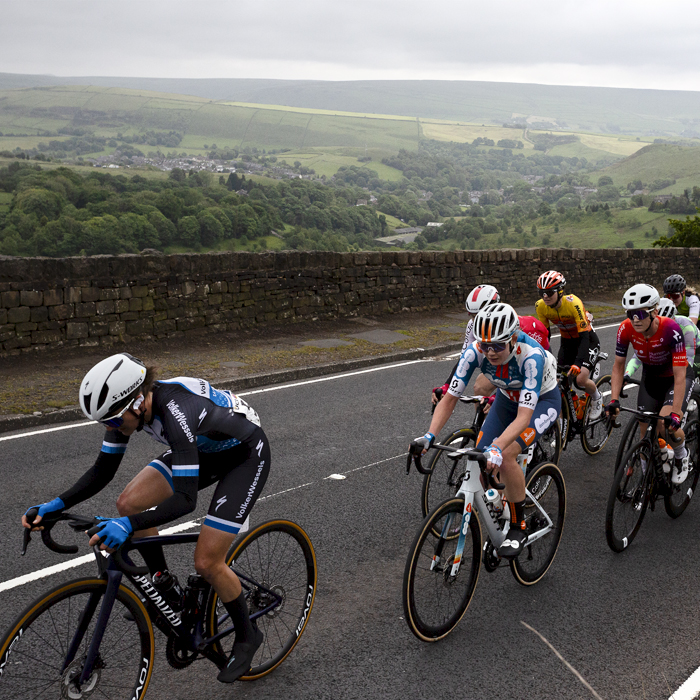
687, 234
604, 180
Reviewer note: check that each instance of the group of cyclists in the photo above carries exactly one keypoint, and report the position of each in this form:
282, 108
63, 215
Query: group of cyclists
514, 357
211, 436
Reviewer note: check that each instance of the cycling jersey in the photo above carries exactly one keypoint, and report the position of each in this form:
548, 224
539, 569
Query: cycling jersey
203, 427
571, 317
691, 337
529, 372
660, 353
689, 306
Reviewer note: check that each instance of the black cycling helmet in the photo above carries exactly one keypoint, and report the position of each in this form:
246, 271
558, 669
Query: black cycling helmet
674, 284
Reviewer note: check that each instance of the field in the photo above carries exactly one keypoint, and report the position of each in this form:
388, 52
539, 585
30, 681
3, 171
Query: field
327, 161
658, 162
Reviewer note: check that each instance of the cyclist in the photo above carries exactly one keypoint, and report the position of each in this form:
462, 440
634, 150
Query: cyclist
579, 343
691, 337
685, 298
526, 405
479, 298
667, 380
210, 436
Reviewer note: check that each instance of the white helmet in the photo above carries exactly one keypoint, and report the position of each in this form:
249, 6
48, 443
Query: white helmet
110, 386
481, 296
496, 323
667, 308
641, 296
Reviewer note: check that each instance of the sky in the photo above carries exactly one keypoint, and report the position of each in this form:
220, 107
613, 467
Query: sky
611, 43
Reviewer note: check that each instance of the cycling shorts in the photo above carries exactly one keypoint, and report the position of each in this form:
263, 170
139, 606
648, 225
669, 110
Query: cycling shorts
504, 411
241, 473
568, 351
656, 392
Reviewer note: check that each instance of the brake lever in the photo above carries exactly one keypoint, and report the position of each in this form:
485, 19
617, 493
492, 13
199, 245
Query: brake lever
27, 538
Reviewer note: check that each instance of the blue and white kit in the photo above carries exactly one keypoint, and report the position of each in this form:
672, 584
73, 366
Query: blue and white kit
211, 435
528, 379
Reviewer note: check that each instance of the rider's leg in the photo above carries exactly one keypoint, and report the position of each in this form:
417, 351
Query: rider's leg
147, 489
585, 383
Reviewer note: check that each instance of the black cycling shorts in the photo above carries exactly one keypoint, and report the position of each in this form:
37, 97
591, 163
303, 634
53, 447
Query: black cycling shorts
656, 392
568, 351
241, 472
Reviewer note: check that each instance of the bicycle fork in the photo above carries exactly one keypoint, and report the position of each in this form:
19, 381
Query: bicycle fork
466, 516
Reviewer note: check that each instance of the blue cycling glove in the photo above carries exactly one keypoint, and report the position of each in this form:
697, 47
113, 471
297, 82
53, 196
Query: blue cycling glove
113, 531
44, 509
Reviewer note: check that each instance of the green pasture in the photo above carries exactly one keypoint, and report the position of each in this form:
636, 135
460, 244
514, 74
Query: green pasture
327, 162
5, 199
392, 221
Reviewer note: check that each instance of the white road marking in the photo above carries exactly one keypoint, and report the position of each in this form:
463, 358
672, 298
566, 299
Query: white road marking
690, 689
337, 477
243, 393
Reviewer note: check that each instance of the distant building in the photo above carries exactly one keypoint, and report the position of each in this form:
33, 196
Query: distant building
434, 224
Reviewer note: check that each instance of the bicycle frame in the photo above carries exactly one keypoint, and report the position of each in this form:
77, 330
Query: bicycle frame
162, 615
472, 490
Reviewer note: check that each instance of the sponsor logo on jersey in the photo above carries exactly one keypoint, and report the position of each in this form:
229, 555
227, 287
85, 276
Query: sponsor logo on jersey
528, 436
180, 417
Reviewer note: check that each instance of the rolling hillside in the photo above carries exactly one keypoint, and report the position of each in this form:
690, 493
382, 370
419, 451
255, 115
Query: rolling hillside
612, 110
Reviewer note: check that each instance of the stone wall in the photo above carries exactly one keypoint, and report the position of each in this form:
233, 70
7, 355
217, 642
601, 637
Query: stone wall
47, 302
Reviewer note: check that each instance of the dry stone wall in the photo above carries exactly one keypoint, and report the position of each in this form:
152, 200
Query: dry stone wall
47, 303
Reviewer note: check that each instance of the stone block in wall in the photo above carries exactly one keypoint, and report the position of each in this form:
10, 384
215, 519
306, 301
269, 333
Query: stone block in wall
109, 294
6, 334
135, 304
187, 324
15, 343
19, 314
102, 308
165, 326
148, 304
117, 328
74, 295
3, 317
61, 312
53, 297
139, 291
125, 293
44, 337
31, 298
10, 299
39, 314
90, 294
188, 287
85, 309
75, 331
141, 326
121, 306
98, 328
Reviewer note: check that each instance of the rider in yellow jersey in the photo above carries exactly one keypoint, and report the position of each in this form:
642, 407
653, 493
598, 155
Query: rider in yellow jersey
579, 343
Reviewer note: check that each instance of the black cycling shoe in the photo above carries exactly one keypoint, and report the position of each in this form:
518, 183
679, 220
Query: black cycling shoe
514, 542
241, 658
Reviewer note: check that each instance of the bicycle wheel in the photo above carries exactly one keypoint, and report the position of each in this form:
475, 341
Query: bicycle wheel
629, 437
548, 447
564, 420
678, 499
445, 474
537, 557
629, 496
434, 601
34, 650
277, 556
596, 434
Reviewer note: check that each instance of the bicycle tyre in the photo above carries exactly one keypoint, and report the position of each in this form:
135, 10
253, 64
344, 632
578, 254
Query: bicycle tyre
629, 496
260, 555
629, 437
45, 630
678, 499
445, 474
536, 558
594, 438
423, 587
564, 420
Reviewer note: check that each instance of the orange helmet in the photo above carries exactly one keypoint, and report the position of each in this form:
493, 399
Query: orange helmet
551, 280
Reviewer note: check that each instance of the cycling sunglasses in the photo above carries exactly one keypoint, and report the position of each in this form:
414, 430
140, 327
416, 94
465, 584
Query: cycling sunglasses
674, 296
548, 292
496, 347
118, 420
637, 314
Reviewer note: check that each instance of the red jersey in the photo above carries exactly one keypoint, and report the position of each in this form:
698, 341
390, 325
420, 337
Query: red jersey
660, 353
535, 329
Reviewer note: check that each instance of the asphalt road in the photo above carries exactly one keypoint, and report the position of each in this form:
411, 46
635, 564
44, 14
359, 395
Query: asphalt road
626, 622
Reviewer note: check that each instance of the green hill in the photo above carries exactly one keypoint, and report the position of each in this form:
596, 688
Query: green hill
658, 162
600, 110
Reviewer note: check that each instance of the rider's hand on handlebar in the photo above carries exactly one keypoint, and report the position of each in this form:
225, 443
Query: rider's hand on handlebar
574, 371
494, 457
111, 533
43, 509
613, 408
426, 441
675, 422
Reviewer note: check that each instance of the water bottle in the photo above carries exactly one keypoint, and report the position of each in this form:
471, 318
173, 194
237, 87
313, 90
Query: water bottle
168, 586
494, 503
667, 455
581, 407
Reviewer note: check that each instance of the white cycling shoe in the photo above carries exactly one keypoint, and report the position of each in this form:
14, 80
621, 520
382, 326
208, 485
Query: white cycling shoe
596, 408
680, 470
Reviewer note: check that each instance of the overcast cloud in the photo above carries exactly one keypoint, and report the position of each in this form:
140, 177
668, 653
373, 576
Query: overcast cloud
588, 42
